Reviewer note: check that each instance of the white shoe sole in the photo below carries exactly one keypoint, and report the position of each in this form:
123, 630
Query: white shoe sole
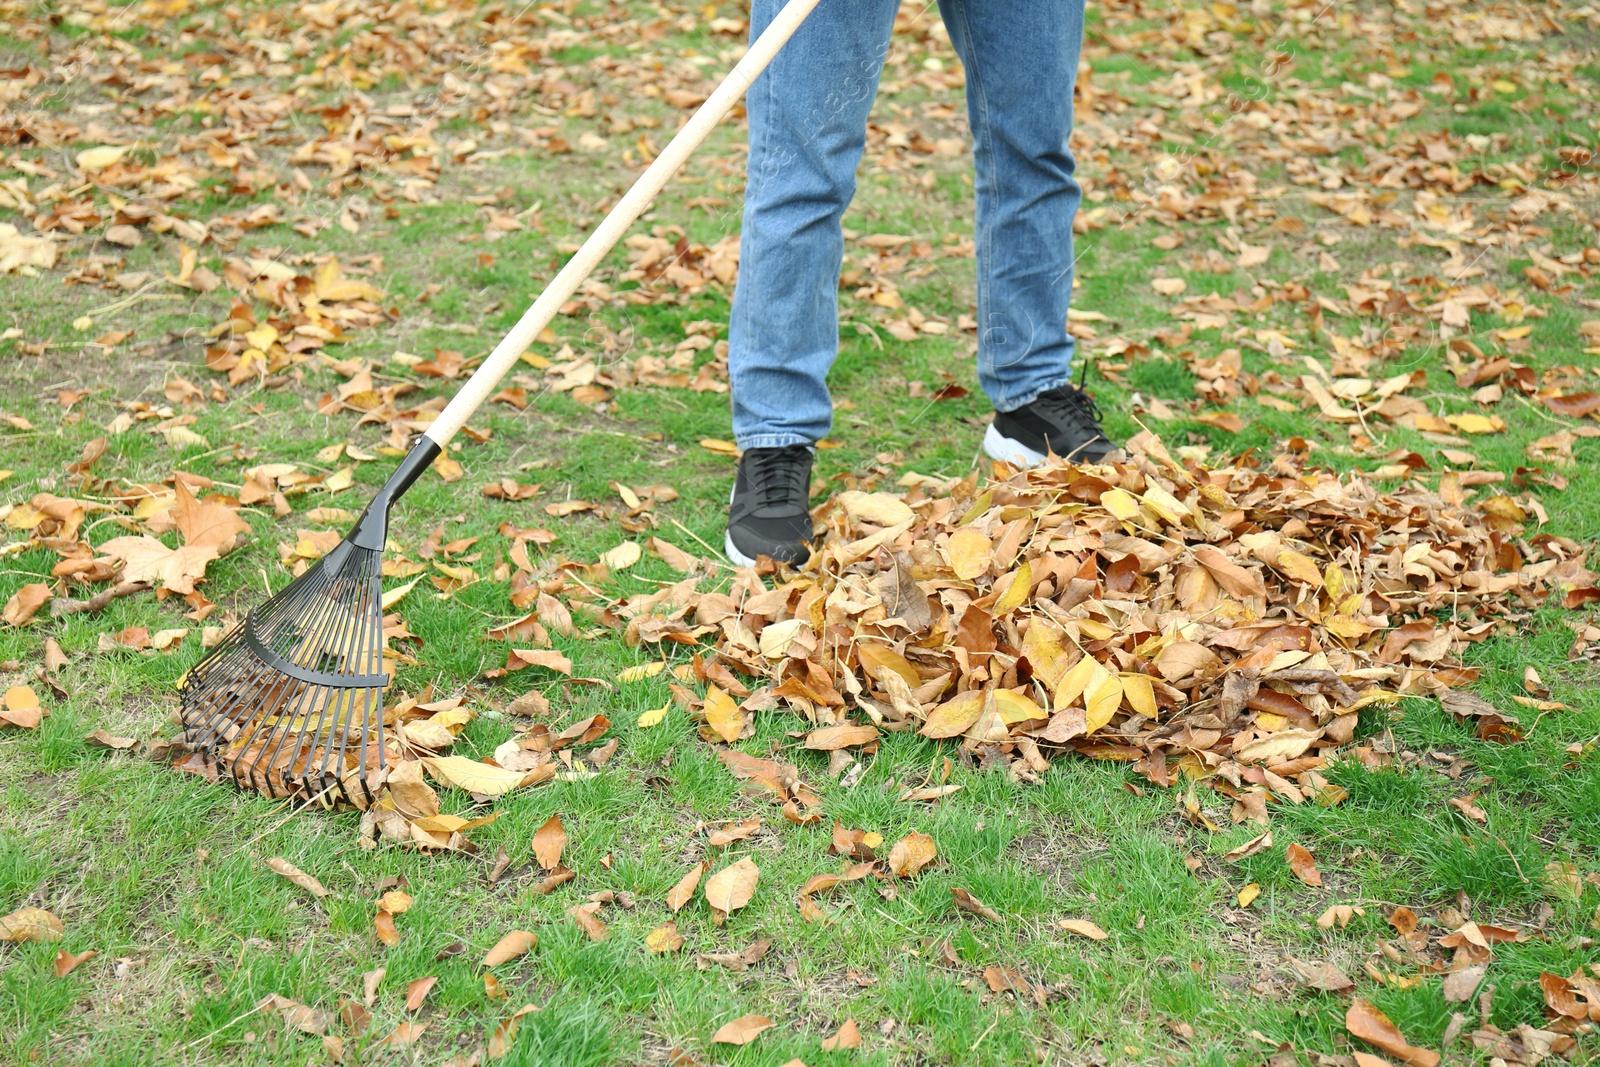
738, 558
998, 446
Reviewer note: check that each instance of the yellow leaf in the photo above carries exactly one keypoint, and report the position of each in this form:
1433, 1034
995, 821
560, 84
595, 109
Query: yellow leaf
642, 671
1302, 569
31, 924
1248, 894
724, 716
1101, 701
1017, 592
1121, 503
473, 776
1140, 694
968, 553
397, 594
1075, 682
1475, 423
880, 509
654, 717
102, 157
954, 716
623, 556
1015, 707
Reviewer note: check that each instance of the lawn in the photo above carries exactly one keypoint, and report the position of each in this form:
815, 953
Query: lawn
250, 234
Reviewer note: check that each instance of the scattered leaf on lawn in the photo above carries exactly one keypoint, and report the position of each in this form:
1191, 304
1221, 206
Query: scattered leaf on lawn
417, 992
512, 946
587, 916
664, 938
102, 739
1083, 928
20, 707
731, 888
1365, 1021
848, 1036
741, 1031
31, 924
297, 876
383, 923
1254, 846
548, 842
66, 962
969, 903
396, 901
683, 892
910, 854
1304, 865
1459, 986
506, 1032
1248, 894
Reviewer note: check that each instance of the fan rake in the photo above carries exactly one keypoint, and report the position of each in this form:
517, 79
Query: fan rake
290, 703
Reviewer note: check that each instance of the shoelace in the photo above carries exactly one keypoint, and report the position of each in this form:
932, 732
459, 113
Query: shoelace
778, 475
1078, 407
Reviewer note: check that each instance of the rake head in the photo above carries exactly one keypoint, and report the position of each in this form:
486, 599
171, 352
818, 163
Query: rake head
290, 704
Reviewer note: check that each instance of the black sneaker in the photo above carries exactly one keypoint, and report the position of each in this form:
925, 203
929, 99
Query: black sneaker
768, 513
1064, 421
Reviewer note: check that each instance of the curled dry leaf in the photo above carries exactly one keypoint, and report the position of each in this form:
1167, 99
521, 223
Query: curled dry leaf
396, 902
1460, 986
1365, 1021
297, 876
66, 962
683, 892
102, 739
587, 916
506, 1032
972, 905
910, 854
731, 888
516, 944
1253, 847
383, 923
31, 924
418, 991
1304, 865
548, 842
25, 604
1083, 928
741, 1031
739, 831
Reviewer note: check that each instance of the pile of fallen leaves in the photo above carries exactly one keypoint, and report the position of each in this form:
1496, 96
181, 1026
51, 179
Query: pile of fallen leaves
1221, 623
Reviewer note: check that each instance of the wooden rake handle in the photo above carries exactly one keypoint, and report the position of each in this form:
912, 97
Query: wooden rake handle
477, 388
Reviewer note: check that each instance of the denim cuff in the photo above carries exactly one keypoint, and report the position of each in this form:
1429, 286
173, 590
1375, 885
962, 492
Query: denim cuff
1008, 404
774, 440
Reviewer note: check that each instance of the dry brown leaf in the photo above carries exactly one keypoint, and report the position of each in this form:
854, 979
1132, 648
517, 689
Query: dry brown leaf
683, 892
418, 991
548, 842
741, 1031
1083, 928
297, 876
66, 962
847, 1036
1303, 865
972, 905
731, 888
31, 924
1366, 1022
514, 945
910, 854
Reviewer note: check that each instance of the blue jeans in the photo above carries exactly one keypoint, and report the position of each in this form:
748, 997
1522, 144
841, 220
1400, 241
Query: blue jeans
808, 115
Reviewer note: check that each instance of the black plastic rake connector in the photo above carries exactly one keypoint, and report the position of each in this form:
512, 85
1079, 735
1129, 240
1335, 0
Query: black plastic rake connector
290, 703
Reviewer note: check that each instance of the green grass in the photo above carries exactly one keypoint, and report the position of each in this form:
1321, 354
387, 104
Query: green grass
164, 874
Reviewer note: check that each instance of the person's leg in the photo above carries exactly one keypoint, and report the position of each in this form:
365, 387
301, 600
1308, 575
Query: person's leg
808, 117
1021, 59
